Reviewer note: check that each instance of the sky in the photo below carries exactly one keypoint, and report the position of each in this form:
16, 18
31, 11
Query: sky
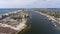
29, 3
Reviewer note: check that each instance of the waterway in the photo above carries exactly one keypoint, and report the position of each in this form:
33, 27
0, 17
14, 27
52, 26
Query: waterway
40, 25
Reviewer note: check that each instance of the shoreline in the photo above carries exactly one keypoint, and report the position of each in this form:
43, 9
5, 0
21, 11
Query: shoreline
15, 28
10, 12
25, 29
50, 18
18, 27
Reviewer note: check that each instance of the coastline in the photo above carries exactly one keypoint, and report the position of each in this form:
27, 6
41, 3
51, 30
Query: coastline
15, 28
50, 18
25, 29
21, 26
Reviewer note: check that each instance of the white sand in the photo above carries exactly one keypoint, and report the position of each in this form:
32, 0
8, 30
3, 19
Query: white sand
20, 26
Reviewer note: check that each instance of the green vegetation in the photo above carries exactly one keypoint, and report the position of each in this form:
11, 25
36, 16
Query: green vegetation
55, 14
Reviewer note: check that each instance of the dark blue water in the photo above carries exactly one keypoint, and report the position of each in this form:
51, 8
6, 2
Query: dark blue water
40, 25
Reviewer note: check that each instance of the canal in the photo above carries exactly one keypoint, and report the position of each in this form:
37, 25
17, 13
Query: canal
40, 25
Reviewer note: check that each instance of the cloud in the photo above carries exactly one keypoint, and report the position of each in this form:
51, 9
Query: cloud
15, 3
29, 3
51, 4
47, 4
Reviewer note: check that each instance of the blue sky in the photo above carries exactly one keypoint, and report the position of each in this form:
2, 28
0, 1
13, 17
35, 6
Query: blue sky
29, 3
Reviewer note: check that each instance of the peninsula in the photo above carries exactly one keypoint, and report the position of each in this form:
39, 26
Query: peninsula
14, 22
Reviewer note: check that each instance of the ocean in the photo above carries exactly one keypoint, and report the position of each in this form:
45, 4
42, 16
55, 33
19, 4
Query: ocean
7, 10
